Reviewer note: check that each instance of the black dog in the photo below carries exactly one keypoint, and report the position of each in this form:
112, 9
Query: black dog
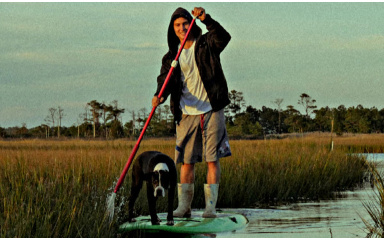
159, 171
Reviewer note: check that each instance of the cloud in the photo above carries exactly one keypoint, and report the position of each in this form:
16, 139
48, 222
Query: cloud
28, 56
109, 51
373, 42
271, 44
147, 45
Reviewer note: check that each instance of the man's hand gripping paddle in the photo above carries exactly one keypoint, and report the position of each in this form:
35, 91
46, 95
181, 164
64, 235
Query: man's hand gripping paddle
111, 199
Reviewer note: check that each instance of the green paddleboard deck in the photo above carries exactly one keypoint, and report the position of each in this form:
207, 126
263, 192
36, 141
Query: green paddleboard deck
196, 224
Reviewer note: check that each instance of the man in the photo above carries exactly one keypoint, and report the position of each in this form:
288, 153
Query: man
199, 93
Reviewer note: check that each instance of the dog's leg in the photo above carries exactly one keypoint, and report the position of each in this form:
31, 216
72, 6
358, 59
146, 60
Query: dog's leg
171, 196
137, 183
152, 205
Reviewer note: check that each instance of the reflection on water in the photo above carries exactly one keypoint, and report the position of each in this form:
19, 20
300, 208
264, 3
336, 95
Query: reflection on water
339, 218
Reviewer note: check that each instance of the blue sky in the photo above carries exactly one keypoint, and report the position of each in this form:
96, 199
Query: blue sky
67, 54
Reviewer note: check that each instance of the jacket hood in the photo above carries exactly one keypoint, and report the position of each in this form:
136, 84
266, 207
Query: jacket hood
173, 40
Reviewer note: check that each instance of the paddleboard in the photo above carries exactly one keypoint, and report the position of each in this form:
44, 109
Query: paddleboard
196, 224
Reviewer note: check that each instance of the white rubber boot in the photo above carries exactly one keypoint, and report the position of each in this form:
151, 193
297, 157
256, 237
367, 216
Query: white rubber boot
185, 193
211, 191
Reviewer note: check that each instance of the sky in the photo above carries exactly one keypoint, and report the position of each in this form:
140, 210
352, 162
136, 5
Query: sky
67, 54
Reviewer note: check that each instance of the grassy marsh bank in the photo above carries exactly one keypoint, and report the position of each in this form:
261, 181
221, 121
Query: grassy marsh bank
59, 188
375, 207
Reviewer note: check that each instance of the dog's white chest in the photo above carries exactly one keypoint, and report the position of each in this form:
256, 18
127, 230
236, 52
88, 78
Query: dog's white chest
158, 168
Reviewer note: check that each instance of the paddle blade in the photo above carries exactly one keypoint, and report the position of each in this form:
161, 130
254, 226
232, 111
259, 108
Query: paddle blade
111, 206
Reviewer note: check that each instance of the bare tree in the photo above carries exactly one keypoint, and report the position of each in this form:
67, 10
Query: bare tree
85, 118
142, 120
60, 115
78, 122
133, 122
278, 102
105, 109
50, 119
95, 109
46, 127
52, 112
144, 111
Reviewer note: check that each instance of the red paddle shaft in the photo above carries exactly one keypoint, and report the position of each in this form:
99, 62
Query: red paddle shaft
133, 153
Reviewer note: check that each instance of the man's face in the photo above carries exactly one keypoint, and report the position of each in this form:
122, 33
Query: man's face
181, 25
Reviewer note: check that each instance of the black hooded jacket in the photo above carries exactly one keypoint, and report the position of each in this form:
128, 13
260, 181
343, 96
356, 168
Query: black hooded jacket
207, 54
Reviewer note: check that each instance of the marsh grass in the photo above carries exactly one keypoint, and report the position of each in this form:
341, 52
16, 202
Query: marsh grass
60, 188
281, 171
361, 143
375, 206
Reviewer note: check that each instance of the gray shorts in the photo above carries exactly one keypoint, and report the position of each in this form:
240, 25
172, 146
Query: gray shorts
202, 134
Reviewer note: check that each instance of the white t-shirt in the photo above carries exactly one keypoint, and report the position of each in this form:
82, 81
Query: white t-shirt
194, 99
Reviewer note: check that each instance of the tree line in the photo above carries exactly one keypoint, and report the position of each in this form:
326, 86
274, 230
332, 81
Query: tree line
103, 120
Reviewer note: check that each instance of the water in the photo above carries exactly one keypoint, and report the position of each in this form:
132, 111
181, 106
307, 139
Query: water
340, 218
332, 218
111, 206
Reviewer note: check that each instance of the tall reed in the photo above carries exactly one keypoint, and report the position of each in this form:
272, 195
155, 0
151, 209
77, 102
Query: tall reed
59, 188
375, 207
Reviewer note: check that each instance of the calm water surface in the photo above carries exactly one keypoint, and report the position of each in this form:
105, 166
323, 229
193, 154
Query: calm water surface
340, 218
